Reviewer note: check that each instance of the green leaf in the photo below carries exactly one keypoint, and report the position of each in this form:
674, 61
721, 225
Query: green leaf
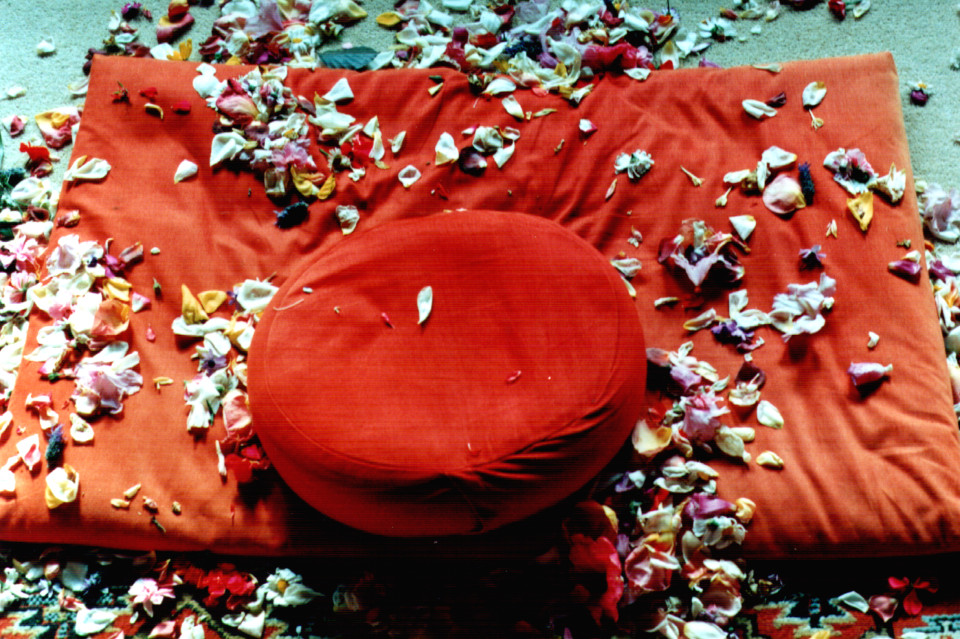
354, 58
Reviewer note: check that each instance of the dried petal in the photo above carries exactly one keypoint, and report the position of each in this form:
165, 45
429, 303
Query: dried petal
783, 195
743, 225
87, 169
396, 143
769, 459
513, 107
408, 175
81, 432
635, 164
866, 373
907, 269
769, 415
665, 301
29, 451
472, 162
424, 304
758, 109
185, 170
813, 94
587, 128
611, 189
648, 441
892, 185
348, 216
341, 92
776, 158
701, 321
872, 340
63, 484
861, 208
446, 150
500, 85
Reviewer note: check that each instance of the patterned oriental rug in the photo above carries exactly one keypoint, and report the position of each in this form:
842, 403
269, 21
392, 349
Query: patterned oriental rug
205, 597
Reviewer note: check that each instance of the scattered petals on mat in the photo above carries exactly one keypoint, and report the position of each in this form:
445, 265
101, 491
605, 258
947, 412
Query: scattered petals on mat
710, 252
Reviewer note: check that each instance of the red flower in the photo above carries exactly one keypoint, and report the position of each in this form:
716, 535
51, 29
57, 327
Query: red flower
225, 579
907, 590
149, 93
37, 153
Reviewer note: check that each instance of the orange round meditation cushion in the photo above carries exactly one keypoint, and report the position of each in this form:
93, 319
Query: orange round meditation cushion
501, 396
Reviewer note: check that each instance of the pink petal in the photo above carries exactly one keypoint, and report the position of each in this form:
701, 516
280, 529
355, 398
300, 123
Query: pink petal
867, 372
884, 606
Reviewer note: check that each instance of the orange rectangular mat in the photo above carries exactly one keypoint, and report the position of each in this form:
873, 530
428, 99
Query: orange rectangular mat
862, 475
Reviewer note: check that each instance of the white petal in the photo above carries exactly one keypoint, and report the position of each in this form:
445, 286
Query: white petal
87, 169
377, 151
743, 225
8, 482
397, 142
639, 73
736, 177
446, 150
62, 486
769, 415
341, 92
777, 158
225, 146
45, 47
348, 216
758, 109
254, 295
91, 621
185, 169
854, 600
500, 85
813, 94
81, 432
206, 84
512, 107
408, 175
424, 303
502, 155
702, 630
372, 126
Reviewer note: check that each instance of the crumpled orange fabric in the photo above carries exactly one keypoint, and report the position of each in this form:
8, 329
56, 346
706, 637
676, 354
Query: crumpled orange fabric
862, 477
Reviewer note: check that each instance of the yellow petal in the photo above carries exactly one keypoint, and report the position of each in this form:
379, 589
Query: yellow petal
191, 308
861, 208
650, 441
389, 19
306, 182
62, 486
327, 189
210, 301
117, 288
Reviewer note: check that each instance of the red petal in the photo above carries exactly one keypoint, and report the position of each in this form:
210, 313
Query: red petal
182, 107
912, 605
898, 583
